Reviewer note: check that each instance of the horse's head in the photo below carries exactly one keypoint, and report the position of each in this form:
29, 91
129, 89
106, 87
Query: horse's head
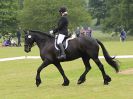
36, 36
29, 41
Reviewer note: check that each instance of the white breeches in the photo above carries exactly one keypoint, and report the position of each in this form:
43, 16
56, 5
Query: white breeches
60, 38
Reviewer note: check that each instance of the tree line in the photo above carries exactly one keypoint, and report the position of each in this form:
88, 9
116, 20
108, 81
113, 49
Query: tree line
8, 13
111, 15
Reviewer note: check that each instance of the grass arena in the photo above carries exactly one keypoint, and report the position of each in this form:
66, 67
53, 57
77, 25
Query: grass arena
17, 77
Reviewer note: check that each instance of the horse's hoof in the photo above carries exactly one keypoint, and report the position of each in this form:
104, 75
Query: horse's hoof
65, 83
107, 80
106, 83
81, 81
38, 82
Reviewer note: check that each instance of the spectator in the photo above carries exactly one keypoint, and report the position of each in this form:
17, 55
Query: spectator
77, 31
123, 35
82, 32
0, 36
13, 42
88, 32
19, 37
6, 43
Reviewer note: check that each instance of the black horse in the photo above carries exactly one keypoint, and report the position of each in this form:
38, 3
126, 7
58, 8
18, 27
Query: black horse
82, 47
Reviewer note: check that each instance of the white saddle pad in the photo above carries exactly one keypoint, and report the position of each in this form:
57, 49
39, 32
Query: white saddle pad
66, 41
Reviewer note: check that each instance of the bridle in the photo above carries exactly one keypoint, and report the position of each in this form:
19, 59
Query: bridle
27, 45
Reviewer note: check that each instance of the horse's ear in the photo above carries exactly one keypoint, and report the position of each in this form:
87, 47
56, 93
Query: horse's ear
26, 32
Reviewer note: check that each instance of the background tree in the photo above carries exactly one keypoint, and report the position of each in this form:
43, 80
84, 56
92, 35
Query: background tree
127, 15
112, 19
97, 8
119, 15
21, 4
8, 13
43, 14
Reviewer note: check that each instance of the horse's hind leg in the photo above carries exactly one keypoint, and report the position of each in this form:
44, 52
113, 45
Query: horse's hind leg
106, 78
43, 65
59, 67
87, 69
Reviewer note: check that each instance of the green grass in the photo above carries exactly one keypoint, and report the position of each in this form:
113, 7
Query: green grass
114, 48
17, 51
17, 78
119, 48
18, 81
107, 36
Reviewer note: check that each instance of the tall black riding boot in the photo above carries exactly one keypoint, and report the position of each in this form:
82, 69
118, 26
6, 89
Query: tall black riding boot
62, 55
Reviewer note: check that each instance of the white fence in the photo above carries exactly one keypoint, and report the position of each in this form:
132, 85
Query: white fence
38, 57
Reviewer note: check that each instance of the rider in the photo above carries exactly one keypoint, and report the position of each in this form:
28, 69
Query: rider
62, 30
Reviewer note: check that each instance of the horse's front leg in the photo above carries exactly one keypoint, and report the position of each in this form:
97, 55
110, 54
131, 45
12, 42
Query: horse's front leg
66, 81
43, 65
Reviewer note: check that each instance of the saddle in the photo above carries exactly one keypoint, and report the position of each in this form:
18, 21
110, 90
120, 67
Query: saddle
65, 41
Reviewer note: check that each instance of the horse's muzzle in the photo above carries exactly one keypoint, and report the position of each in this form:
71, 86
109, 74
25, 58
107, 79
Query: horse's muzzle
27, 49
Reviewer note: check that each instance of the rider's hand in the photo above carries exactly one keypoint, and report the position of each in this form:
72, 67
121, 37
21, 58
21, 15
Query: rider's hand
51, 32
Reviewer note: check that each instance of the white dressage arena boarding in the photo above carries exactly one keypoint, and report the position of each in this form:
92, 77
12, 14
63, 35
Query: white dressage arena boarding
38, 57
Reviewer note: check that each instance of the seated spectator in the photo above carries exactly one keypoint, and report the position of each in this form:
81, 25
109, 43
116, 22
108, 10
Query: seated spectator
13, 42
6, 43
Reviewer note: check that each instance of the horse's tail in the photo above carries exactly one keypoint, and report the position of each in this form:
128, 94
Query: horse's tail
110, 60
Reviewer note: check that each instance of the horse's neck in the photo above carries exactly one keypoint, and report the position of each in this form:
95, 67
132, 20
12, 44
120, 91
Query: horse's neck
41, 42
